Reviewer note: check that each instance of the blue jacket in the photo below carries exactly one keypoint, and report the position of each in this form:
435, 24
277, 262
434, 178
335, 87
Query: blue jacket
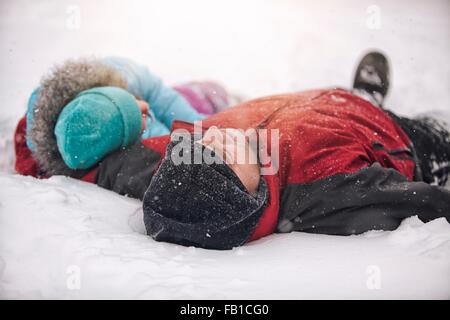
166, 105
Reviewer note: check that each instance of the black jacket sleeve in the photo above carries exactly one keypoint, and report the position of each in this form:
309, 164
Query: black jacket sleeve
373, 198
128, 171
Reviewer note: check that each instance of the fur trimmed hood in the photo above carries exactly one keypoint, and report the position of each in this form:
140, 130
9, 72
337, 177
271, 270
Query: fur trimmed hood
57, 89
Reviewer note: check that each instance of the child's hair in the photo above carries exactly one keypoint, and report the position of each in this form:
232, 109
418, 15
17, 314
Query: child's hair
61, 85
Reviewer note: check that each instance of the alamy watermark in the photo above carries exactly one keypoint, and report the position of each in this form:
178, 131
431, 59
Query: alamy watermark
373, 20
73, 280
373, 281
73, 21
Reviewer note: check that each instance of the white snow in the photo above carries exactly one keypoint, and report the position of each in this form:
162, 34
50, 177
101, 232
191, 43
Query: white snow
62, 238
54, 230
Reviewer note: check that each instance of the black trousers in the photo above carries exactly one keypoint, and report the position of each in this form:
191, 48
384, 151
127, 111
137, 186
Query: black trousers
432, 147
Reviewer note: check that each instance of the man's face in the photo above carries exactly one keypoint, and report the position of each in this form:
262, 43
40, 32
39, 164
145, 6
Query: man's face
235, 150
143, 106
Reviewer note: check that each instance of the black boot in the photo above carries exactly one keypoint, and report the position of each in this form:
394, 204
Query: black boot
372, 78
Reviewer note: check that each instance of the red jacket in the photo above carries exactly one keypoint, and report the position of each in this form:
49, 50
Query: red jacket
336, 155
323, 133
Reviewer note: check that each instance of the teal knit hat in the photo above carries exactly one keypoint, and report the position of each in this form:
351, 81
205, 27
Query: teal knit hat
96, 122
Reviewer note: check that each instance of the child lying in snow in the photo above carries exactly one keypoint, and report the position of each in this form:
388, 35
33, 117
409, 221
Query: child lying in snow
346, 166
88, 90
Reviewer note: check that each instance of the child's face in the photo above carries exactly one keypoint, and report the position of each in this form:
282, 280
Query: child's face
143, 106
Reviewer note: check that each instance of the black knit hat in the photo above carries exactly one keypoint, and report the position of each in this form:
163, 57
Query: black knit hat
201, 205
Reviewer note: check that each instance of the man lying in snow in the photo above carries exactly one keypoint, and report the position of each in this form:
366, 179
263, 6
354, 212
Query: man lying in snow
345, 166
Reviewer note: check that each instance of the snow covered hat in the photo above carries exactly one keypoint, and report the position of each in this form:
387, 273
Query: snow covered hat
96, 122
201, 205
57, 88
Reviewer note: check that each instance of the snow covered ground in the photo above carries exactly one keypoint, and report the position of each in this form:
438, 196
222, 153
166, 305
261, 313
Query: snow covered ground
63, 238
62, 228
